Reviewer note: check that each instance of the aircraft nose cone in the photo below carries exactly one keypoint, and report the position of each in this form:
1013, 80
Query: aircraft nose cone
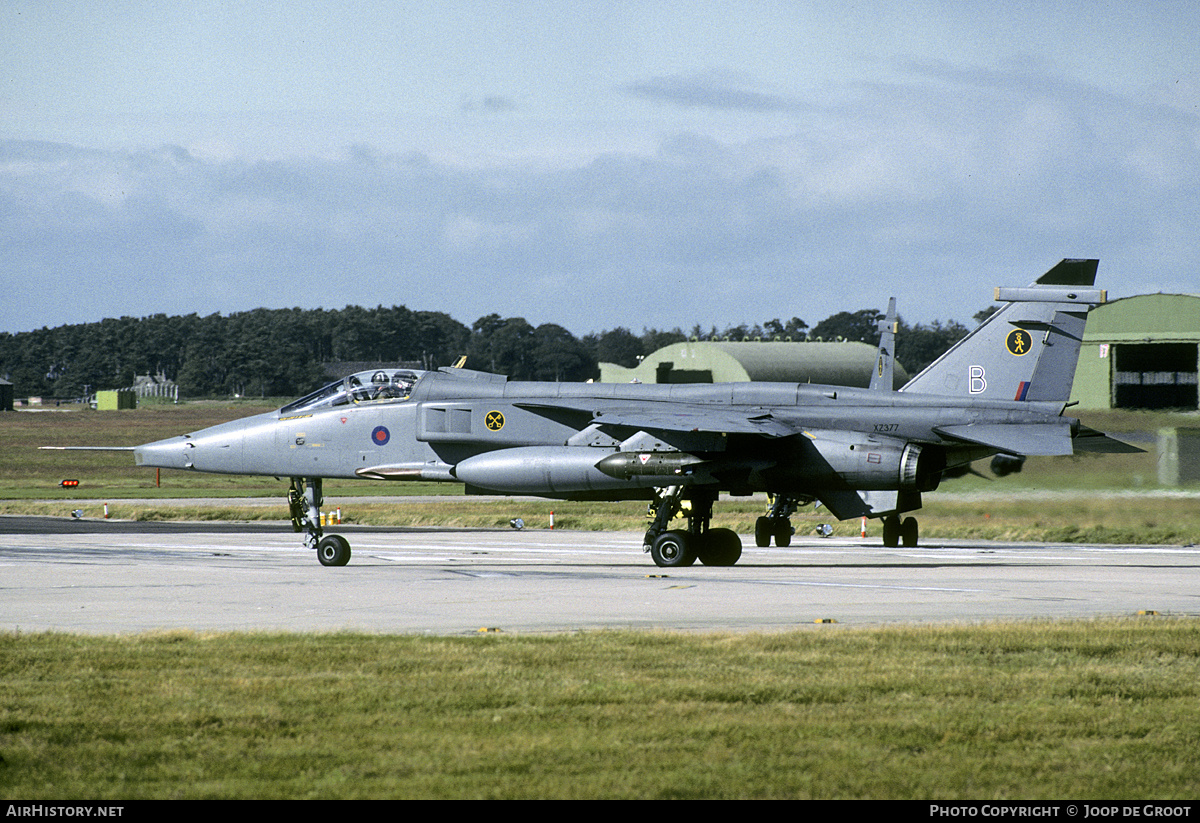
172, 453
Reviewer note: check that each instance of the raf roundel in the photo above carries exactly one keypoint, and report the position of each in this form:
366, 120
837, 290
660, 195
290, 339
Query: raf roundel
380, 436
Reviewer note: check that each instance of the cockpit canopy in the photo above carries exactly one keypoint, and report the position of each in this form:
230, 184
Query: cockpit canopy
378, 385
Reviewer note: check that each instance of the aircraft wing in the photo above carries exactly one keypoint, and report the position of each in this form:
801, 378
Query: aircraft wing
676, 417
1032, 439
691, 419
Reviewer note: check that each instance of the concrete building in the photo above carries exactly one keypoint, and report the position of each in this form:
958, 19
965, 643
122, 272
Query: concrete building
156, 385
839, 364
1141, 352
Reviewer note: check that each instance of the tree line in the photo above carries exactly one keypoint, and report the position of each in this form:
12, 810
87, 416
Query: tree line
287, 352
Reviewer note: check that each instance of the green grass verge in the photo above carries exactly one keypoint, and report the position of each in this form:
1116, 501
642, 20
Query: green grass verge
1080, 710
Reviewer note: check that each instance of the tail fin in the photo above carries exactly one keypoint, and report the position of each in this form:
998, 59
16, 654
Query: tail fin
882, 378
1028, 349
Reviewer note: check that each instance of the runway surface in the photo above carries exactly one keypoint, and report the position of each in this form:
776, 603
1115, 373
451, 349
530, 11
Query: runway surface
110, 577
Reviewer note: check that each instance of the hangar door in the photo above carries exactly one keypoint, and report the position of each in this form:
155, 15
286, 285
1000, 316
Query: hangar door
667, 373
1154, 376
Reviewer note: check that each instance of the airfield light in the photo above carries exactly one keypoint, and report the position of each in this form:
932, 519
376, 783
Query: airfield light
69, 484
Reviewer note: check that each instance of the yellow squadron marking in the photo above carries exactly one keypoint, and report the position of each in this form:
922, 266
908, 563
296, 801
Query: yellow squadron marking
494, 420
1018, 342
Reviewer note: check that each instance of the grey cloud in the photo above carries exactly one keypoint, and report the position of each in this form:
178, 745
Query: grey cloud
710, 91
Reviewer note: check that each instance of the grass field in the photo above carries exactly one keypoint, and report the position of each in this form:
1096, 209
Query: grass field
1088, 710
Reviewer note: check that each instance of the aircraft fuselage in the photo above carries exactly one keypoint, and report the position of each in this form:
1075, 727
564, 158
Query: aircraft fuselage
547, 438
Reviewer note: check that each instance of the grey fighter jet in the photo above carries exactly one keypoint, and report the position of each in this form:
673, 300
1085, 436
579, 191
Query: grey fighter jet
860, 452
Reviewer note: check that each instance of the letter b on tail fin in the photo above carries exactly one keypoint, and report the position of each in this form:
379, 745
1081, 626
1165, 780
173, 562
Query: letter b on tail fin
1028, 349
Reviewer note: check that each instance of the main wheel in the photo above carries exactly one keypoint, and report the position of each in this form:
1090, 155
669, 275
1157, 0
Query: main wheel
891, 531
763, 532
908, 532
334, 550
673, 548
720, 547
783, 533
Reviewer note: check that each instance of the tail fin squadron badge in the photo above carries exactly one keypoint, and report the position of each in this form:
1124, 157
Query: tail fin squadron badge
1018, 342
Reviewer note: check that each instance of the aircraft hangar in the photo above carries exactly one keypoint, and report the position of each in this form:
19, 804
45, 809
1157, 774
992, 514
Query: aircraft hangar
838, 364
1141, 352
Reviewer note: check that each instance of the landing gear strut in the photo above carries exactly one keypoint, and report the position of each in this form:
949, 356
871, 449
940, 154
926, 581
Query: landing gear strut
776, 523
304, 503
680, 547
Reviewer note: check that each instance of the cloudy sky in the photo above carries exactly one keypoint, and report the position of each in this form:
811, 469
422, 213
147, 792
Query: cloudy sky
592, 164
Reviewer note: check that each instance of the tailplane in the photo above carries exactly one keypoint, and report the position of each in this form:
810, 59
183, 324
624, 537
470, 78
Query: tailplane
1028, 349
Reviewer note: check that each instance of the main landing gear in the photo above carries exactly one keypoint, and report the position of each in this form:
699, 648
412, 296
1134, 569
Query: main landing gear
776, 523
680, 547
304, 503
897, 531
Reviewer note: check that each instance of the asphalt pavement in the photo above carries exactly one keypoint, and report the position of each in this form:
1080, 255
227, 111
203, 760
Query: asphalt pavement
112, 577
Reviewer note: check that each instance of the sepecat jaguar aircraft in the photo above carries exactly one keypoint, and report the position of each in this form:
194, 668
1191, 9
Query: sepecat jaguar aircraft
871, 452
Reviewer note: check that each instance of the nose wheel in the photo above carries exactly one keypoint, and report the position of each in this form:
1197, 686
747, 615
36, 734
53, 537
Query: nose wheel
333, 550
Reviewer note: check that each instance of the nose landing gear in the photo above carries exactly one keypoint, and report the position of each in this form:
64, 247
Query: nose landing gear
304, 504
